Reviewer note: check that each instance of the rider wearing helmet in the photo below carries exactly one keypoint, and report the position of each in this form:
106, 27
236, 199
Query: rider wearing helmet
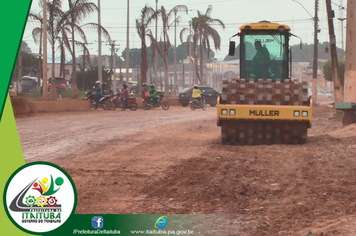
196, 93
144, 90
12, 91
126, 96
99, 93
154, 99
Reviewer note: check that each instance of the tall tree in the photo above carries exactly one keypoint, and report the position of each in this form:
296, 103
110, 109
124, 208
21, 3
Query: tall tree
203, 32
91, 75
163, 47
164, 44
327, 70
175, 23
195, 38
29, 64
78, 10
209, 34
189, 40
148, 14
37, 37
55, 16
85, 57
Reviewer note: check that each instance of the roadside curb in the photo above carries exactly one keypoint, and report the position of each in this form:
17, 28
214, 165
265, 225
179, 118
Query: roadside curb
23, 105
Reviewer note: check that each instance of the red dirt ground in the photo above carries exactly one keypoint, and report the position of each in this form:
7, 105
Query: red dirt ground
172, 162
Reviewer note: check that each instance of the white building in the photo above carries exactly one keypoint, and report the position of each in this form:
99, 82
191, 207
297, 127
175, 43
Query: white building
57, 68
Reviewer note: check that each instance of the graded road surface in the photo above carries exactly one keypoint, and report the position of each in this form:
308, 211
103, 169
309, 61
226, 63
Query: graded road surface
172, 162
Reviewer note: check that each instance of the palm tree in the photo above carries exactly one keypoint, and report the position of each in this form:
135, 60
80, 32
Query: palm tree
54, 27
86, 57
61, 47
78, 10
163, 46
207, 33
201, 34
195, 38
37, 37
148, 14
176, 21
189, 47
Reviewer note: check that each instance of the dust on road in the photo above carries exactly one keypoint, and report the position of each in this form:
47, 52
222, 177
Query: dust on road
172, 162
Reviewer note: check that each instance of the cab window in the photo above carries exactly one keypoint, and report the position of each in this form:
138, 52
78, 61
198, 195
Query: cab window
264, 55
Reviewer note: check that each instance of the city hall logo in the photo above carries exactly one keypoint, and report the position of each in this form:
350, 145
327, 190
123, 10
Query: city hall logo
39, 197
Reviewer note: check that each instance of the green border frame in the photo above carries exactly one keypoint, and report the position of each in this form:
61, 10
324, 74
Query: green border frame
31, 164
17, 14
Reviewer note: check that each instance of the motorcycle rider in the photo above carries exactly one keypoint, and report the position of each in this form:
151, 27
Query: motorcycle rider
12, 91
99, 93
196, 93
144, 90
154, 99
126, 96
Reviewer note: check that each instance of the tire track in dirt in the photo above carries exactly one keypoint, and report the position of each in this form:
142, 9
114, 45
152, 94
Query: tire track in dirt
48, 136
180, 167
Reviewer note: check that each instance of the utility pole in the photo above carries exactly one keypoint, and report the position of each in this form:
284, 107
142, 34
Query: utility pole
100, 63
128, 45
121, 77
333, 53
342, 32
114, 68
183, 76
341, 19
175, 54
190, 54
113, 49
44, 70
39, 74
20, 69
83, 69
315, 59
350, 58
156, 66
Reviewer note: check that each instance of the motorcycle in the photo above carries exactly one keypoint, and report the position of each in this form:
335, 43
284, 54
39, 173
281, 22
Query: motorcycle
148, 104
131, 103
195, 104
115, 101
104, 101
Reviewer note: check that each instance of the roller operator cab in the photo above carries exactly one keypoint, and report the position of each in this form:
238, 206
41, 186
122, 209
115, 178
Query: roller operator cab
262, 105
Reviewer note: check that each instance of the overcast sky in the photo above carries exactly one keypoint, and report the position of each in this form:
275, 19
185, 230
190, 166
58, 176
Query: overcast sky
232, 13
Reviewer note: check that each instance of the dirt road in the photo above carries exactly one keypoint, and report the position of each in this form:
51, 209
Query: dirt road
172, 162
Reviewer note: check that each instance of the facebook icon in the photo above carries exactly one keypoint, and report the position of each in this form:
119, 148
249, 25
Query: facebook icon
97, 222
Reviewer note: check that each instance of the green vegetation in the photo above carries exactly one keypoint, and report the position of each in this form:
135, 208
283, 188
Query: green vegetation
328, 71
33, 95
86, 80
61, 93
